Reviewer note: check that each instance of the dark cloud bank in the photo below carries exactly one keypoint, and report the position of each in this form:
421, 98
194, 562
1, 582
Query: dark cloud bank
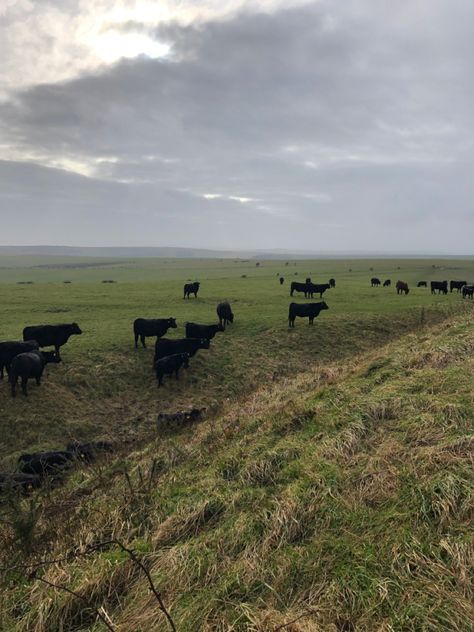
322, 128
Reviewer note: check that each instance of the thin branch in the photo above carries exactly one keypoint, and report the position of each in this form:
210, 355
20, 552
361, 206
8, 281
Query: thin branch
75, 594
285, 625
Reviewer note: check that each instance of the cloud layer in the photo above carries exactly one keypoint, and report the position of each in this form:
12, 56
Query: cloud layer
323, 126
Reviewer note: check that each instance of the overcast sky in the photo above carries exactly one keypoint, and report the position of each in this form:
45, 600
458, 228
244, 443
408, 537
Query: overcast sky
325, 126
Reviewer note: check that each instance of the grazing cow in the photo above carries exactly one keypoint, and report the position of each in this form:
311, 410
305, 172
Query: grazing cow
374, 282
422, 284
224, 312
402, 287
332, 282
146, 327
169, 365
191, 288
441, 286
51, 335
307, 280
46, 463
456, 285
30, 365
11, 348
88, 451
316, 288
467, 290
387, 283
298, 287
282, 280
309, 310
193, 330
166, 347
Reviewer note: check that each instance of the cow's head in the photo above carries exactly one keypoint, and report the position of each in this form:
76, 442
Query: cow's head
50, 357
75, 329
172, 323
185, 359
204, 343
324, 305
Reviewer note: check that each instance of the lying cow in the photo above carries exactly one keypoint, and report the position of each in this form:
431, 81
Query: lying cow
402, 287
46, 463
11, 348
88, 451
441, 286
166, 346
17, 480
224, 312
30, 365
169, 365
193, 330
52, 335
305, 310
146, 327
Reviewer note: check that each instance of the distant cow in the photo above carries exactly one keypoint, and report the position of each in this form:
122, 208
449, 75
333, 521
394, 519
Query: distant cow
305, 310
169, 365
317, 288
467, 290
332, 282
422, 284
52, 335
441, 286
193, 330
282, 280
402, 287
456, 285
224, 312
298, 287
11, 348
46, 463
88, 451
191, 288
166, 346
374, 282
146, 327
387, 283
30, 365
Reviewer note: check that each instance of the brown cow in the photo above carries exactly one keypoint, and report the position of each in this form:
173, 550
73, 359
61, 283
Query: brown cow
402, 287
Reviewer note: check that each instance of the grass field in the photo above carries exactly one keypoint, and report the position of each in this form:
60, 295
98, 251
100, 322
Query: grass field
330, 484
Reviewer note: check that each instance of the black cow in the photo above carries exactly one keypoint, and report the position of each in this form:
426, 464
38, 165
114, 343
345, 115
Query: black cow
402, 287
456, 285
169, 365
298, 287
166, 347
374, 282
88, 451
46, 463
193, 330
11, 348
310, 310
15, 481
315, 288
387, 283
282, 280
422, 284
52, 335
467, 290
30, 365
191, 288
224, 312
146, 327
332, 282
441, 286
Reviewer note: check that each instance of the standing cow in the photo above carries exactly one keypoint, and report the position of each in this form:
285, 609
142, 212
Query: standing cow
30, 365
402, 287
305, 310
441, 286
282, 280
387, 283
146, 327
11, 348
224, 312
332, 282
51, 335
374, 282
191, 288
456, 285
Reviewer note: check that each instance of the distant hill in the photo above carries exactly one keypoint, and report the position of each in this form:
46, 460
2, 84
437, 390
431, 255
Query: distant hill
199, 253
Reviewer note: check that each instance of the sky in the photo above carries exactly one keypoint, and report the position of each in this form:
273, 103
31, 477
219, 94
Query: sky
324, 126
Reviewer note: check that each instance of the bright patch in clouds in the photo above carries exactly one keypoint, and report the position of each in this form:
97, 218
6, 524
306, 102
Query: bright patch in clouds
113, 45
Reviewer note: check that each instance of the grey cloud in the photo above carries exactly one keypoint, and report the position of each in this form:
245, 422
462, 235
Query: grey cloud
346, 125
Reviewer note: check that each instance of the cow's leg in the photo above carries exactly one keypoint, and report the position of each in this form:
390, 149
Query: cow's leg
142, 339
1, 371
13, 381
24, 382
136, 341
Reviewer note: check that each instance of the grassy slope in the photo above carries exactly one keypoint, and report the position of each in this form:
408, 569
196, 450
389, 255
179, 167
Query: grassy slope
335, 482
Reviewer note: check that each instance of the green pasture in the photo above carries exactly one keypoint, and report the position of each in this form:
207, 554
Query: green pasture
106, 387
